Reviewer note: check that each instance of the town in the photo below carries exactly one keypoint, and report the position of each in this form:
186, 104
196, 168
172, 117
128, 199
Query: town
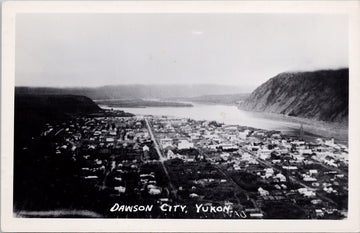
166, 161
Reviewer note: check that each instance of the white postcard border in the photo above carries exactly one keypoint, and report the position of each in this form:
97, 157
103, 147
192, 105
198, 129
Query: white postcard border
11, 8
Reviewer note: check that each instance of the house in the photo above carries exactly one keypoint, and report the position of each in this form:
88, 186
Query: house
276, 135
145, 148
184, 144
97, 133
305, 151
229, 147
298, 157
264, 154
330, 142
309, 179
269, 172
166, 142
319, 141
316, 201
236, 167
90, 177
329, 190
306, 192
243, 134
154, 191
330, 161
112, 132
224, 156
170, 154
319, 213
281, 177
246, 156
313, 172
275, 161
109, 139
298, 143
118, 178
263, 192
289, 167
120, 189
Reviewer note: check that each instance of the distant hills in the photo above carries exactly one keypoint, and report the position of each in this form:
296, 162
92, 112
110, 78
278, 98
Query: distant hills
135, 91
140, 103
320, 95
228, 99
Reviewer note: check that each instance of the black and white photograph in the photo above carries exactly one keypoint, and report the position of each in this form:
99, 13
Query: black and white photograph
239, 116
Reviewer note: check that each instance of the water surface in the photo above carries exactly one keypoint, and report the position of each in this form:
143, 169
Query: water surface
220, 113
232, 115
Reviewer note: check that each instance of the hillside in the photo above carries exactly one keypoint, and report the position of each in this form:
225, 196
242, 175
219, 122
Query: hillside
54, 105
37, 168
320, 95
135, 91
33, 111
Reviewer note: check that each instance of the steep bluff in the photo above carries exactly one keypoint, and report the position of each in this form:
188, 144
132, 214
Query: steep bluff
320, 95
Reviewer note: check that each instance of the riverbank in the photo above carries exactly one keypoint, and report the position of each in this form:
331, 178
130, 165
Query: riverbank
231, 115
311, 128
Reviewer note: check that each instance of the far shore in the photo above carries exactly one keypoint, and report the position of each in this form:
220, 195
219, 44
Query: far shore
140, 103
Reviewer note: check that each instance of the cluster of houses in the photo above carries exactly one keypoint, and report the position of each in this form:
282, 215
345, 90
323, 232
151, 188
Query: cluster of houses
117, 145
317, 166
107, 148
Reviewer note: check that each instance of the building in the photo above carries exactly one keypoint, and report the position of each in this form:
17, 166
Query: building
184, 144
263, 192
166, 142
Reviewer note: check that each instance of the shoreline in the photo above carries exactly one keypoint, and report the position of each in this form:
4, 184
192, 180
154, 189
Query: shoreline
312, 128
338, 131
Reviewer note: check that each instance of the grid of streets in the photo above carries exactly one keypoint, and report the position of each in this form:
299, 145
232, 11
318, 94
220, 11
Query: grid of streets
164, 167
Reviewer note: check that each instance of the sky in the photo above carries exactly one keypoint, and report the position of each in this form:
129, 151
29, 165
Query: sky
71, 50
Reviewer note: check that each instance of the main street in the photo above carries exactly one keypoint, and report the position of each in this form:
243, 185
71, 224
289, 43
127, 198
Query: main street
162, 157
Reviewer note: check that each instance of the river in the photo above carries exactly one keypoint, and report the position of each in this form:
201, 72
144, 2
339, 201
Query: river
232, 115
